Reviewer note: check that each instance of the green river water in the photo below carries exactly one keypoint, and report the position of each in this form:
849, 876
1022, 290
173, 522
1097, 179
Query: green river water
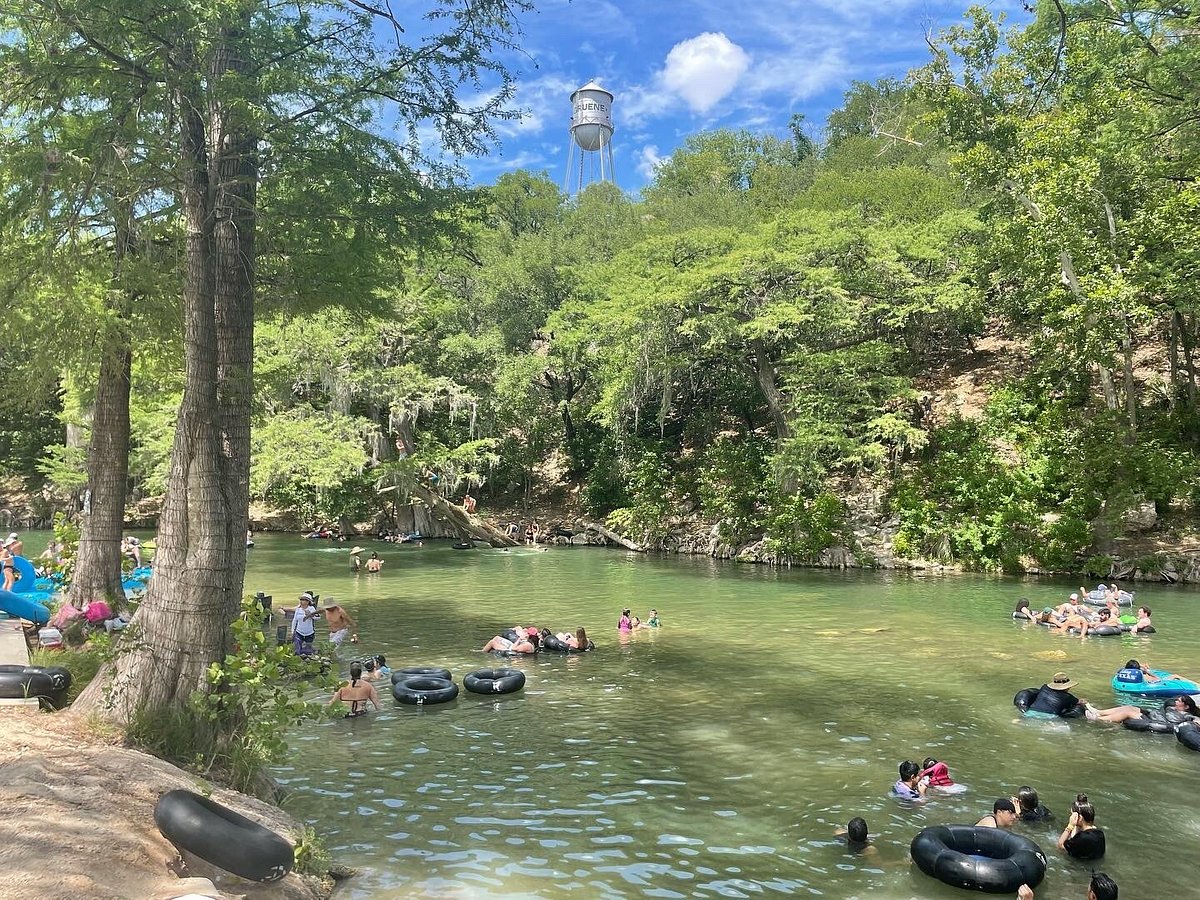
716, 755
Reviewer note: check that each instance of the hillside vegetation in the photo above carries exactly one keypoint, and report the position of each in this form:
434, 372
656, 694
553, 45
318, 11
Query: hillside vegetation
959, 328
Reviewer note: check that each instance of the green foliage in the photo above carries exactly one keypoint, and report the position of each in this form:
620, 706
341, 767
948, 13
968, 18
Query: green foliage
731, 475
237, 727
649, 483
311, 463
800, 528
312, 857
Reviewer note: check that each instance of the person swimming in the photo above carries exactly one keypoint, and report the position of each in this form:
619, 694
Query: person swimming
858, 838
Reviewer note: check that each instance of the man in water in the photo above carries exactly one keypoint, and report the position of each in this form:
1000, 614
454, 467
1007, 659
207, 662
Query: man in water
340, 623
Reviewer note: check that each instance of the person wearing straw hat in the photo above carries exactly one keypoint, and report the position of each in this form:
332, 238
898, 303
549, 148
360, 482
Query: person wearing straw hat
355, 559
1055, 697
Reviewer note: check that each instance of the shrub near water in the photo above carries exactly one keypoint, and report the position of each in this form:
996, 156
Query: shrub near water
236, 729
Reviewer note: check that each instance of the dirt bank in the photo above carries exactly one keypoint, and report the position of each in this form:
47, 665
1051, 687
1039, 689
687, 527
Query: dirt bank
79, 822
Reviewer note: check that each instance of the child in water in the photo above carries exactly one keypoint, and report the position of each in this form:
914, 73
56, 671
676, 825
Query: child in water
625, 623
857, 838
937, 775
652, 619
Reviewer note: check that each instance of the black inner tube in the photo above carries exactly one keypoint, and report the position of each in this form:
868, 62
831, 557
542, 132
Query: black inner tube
21, 682
220, 836
1189, 736
1024, 698
494, 681
423, 690
991, 860
412, 671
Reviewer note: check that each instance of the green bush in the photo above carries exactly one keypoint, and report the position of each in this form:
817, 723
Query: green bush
237, 727
799, 528
731, 484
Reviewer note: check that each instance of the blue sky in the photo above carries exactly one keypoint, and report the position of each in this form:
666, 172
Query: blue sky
682, 67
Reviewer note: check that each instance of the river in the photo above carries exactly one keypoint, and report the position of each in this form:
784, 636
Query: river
716, 755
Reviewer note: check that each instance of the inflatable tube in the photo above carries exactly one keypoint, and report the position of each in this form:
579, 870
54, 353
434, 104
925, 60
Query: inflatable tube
399, 675
1132, 681
1189, 736
1055, 703
1104, 630
419, 690
222, 837
510, 634
554, 645
462, 545
23, 608
1024, 698
60, 677
494, 681
22, 682
25, 575
1154, 721
1149, 629
991, 860
1097, 598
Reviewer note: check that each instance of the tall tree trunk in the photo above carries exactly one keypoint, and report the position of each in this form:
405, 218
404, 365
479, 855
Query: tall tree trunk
1185, 339
97, 573
765, 374
1107, 386
1173, 360
184, 623
1130, 384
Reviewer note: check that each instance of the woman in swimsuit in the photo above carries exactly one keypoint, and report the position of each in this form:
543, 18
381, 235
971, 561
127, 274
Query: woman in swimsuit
501, 644
357, 693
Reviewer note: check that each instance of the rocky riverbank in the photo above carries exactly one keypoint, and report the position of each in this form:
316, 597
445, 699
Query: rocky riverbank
79, 822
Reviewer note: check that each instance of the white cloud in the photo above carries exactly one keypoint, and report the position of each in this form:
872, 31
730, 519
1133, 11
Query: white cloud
543, 103
705, 69
648, 160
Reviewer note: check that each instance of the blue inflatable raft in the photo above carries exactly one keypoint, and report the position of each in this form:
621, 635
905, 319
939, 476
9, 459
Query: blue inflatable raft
1133, 681
21, 606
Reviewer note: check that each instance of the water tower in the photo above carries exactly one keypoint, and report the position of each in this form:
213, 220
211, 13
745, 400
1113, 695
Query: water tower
589, 153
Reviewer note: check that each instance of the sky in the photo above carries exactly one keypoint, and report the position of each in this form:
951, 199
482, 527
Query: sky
680, 67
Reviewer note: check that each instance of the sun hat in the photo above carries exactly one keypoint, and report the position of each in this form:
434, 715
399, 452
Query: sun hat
531, 631
307, 596
1060, 682
1074, 596
356, 550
